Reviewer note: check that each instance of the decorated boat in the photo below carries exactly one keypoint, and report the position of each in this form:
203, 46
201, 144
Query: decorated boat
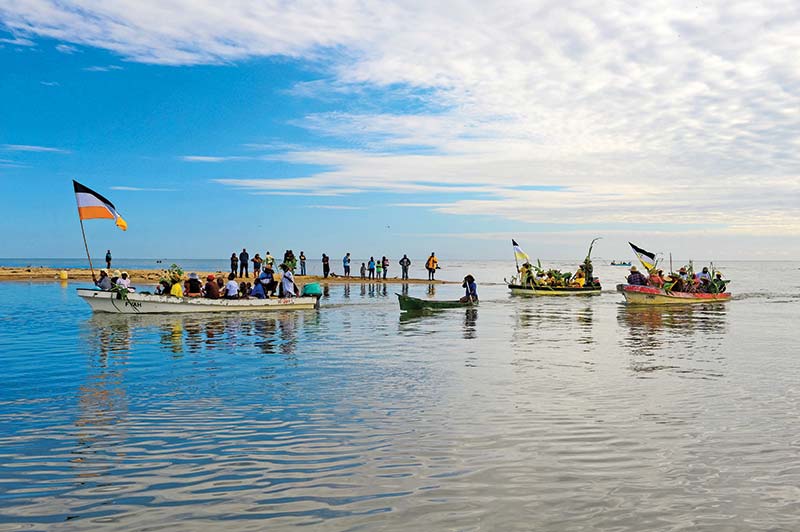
141, 303
542, 290
408, 303
651, 295
552, 282
615, 263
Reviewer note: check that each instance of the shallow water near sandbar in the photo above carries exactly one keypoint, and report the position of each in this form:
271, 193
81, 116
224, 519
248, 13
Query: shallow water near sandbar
524, 413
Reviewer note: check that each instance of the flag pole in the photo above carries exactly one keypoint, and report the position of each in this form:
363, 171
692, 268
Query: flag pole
87, 248
516, 262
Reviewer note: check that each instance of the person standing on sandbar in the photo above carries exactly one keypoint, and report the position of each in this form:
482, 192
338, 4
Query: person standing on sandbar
244, 263
432, 265
108, 259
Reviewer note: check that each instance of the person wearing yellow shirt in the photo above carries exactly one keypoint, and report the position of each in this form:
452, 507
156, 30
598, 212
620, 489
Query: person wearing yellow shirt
176, 290
432, 265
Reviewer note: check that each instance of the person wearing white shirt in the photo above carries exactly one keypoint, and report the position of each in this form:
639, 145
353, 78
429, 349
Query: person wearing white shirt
287, 281
232, 287
124, 281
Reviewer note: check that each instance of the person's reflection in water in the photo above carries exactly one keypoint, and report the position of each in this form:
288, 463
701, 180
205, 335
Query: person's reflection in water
431, 289
404, 289
584, 319
194, 334
384, 290
371, 290
214, 331
470, 321
172, 336
265, 335
346, 294
288, 333
326, 291
363, 289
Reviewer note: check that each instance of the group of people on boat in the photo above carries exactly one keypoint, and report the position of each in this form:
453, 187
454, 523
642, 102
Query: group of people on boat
684, 280
532, 276
119, 280
263, 287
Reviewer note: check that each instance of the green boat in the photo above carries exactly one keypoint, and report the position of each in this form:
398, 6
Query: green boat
412, 303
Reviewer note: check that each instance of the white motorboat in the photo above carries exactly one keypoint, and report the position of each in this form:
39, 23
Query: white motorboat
136, 303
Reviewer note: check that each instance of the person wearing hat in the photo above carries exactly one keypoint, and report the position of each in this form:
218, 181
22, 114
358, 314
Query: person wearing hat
656, 278
194, 287
104, 283
636, 278
471, 288
124, 281
115, 277
211, 288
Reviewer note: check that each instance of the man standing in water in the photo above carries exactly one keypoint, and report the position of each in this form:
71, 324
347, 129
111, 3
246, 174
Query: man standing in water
108, 259
432, 265
405, 262
346, 265
244, 263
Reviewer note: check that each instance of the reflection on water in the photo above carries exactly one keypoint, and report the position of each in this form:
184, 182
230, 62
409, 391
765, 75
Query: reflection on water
544, 413
684, 339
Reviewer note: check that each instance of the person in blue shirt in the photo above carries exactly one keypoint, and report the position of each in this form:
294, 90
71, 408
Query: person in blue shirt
371, 267
346, 265
471, 294
258, 291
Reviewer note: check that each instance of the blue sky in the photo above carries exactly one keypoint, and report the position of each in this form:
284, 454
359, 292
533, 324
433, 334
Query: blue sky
390, 129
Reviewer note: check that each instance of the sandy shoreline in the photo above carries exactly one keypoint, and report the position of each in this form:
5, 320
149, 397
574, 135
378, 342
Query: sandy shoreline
148, 277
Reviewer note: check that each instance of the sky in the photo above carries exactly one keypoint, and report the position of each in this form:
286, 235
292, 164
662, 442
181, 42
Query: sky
383, 128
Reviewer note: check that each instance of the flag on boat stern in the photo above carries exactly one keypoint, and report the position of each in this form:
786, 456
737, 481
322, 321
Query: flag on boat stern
92, 205
647, 258
518, 253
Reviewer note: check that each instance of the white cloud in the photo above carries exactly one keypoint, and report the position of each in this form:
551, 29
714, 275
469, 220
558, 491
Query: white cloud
33, 148
50, 83
337, 207
672, 111
66, 49
18, 41
210, 158
105, 68
142, 189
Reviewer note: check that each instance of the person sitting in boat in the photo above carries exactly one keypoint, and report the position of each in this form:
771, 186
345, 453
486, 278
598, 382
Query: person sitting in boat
258, 291
212, 288
588, 271
287, 282
193, 286
656, 278
124, 281
579, 280
267, 278
176, 289
231, 287
162, 288
104, 283
683, 274
471, 294
525, 274
704, 275
636, 278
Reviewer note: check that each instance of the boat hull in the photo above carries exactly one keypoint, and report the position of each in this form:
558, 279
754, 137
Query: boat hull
414, 304
650, 295
111, 302
521, 290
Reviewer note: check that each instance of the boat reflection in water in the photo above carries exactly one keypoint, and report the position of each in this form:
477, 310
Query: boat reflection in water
686, 340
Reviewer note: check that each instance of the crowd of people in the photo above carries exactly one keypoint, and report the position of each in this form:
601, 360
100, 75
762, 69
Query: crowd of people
684, 280
370, 270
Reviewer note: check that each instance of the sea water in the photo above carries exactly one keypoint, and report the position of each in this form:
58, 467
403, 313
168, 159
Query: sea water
576, 413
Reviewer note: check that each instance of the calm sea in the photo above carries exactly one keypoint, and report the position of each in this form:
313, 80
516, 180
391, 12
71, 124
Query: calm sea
522, 414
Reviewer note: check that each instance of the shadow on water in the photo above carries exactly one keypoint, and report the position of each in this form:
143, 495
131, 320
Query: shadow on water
684, 339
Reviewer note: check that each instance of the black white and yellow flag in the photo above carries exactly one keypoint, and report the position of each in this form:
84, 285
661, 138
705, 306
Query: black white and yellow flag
647, 258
